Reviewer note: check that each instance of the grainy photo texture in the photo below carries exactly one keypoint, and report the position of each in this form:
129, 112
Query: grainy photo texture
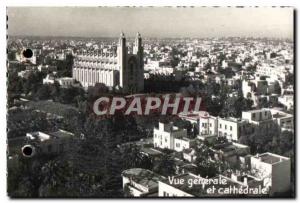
148, 102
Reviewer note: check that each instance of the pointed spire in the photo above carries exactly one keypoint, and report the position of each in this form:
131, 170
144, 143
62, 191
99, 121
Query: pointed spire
138, 35
122, 35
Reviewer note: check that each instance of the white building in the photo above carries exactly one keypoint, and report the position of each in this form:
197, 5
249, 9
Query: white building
164, 136
167, 189
49, 79
189, 154
272, 71
183, 143
258, 117
231, 128
282, 119
207, 124
253, 87
287, 101
66, 81
275, 171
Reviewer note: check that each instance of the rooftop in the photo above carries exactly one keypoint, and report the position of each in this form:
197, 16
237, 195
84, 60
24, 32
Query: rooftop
41, 136
271, 158
143, 177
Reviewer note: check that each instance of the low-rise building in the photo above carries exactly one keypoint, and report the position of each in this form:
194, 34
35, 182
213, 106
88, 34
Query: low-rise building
231, 128
182, 143
50, 143
275, 170
164, 136
141, 182
66, 81
282, 119
230, 153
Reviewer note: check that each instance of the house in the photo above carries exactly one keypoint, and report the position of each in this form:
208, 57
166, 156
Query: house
258, 117
189, 154
231, 128
275, 170
230, 152
182, 143
141, 182
283, 120
164, 136
207, 124
48, 143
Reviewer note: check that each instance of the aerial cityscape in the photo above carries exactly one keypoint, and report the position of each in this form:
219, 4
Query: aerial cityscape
80, 115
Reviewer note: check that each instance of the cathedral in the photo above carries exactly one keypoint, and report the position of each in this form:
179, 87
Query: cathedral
122, 69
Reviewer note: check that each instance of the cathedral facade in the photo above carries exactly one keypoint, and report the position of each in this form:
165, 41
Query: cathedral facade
122, 69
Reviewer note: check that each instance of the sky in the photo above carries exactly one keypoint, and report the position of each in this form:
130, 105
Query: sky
151, 21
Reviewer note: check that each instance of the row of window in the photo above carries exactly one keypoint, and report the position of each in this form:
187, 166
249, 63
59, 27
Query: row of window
230, 127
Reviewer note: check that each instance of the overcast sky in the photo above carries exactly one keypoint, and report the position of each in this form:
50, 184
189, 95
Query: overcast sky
151, 22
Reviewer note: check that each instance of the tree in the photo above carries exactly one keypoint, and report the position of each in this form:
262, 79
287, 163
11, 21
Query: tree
56, 178
205, 166
43, 92
165, 165
133, 158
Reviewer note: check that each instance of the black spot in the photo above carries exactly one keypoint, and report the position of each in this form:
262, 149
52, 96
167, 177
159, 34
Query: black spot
27, 53
27, 151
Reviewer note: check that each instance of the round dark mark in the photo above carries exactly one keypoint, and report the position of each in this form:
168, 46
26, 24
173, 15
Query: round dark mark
27, 151
27, 53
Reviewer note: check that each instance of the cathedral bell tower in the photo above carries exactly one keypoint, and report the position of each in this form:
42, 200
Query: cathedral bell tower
139, 52
122, 55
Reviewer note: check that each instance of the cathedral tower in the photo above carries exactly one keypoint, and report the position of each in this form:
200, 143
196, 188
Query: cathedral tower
139, 52
122, 56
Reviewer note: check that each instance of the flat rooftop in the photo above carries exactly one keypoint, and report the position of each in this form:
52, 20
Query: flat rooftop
143, 177
271, 158
60, 134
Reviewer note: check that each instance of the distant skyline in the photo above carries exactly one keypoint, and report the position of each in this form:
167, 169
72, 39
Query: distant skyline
161, 22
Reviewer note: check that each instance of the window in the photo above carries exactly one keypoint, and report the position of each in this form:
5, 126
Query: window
231, 128
220, 125
253, 116
210, 124
177, 144
220, 133
225, 127
166, 140
202, 124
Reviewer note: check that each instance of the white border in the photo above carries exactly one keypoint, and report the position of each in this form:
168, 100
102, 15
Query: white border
5, 3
